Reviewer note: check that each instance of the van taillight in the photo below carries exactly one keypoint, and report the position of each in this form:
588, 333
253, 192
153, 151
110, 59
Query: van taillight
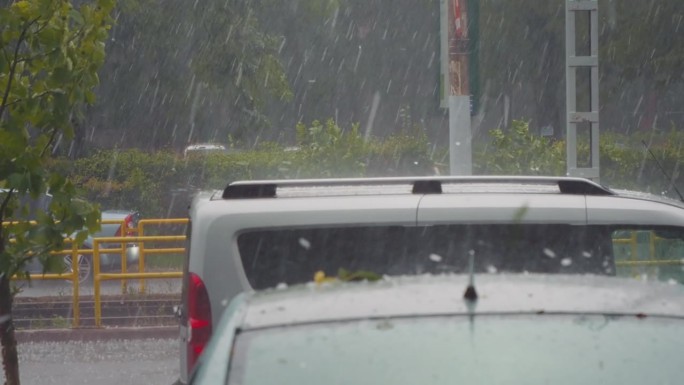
199, 319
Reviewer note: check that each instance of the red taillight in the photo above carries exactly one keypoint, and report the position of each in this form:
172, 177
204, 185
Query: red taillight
128, 225
199, 318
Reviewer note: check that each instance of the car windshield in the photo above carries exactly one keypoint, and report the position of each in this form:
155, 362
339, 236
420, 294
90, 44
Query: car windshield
536, 350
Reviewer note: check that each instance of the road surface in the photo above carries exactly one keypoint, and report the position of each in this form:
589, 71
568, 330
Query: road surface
115, 362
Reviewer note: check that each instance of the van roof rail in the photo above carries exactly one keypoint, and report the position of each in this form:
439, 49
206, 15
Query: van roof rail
420, 185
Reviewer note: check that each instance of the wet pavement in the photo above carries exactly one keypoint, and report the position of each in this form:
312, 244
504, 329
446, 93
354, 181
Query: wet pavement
102, 362
146, 361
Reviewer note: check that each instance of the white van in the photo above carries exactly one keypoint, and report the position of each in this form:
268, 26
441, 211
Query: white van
263, 234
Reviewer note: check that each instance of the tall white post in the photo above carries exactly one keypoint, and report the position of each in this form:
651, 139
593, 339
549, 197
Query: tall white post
575, 115
460, 136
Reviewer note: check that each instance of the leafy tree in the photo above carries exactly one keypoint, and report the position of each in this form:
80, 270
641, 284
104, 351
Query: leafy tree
51, 51
202, 71
236, 58
187, 72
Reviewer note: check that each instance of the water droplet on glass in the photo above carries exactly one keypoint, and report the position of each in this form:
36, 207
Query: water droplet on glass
305, 243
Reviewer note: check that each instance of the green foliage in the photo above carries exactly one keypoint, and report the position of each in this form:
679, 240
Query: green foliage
236, 58
358, 275
325, 150
126, 179
518, 152
624, 161
51, 51
404, 153
160, 184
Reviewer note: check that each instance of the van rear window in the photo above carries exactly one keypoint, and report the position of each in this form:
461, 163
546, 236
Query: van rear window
274, 256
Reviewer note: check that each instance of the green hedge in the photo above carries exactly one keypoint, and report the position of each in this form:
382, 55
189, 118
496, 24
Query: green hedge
625, 161
160, 184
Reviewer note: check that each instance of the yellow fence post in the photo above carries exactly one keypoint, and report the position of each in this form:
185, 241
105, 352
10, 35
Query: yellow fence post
75, 251
634, 250
96, 282
75, 284
141, 257
124, 259
98, 276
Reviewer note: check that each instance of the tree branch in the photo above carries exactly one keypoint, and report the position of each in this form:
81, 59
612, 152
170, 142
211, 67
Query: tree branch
36, 96
73, 38
49, 143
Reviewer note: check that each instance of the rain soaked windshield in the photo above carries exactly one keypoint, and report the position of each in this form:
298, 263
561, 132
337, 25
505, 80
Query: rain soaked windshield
449, 350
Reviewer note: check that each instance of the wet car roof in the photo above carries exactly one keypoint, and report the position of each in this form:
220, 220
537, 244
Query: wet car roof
649, 196
433, 295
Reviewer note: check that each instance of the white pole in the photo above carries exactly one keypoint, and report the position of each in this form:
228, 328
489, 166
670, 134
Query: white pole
460, 136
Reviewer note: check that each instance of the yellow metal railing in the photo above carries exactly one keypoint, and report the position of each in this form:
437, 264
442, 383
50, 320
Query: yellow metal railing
72, 276
98, 250
142, 250
651, 259
98, 276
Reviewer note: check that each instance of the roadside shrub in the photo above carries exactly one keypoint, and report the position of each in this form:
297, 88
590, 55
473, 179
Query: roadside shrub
161, 184
518, 152
325, 150
406, 153
126, 179
625, 161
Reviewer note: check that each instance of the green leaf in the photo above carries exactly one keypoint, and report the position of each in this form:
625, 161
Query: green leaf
90, 97
50, 37
17, 181
61, 75
76, 17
